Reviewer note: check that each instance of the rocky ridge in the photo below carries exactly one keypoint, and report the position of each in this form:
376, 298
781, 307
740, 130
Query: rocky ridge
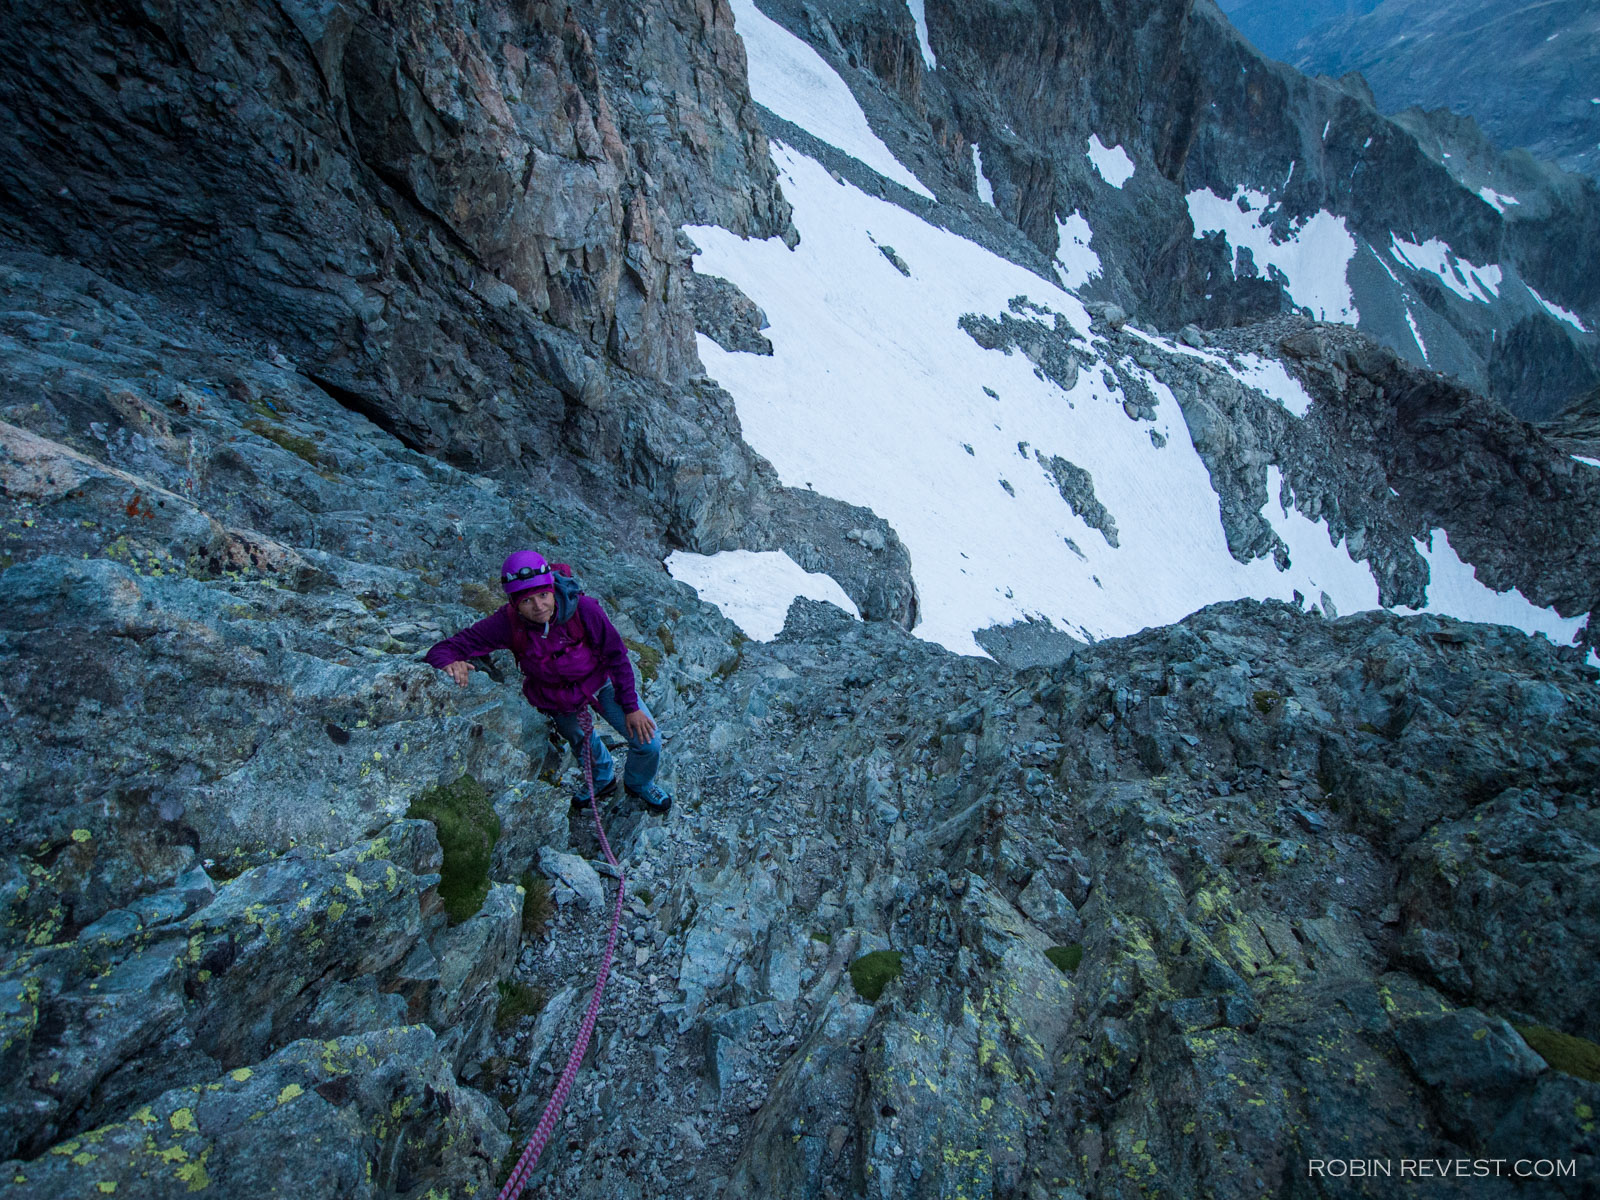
1142, 893
1277, 840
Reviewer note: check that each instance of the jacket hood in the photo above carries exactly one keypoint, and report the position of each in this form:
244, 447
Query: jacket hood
567, 592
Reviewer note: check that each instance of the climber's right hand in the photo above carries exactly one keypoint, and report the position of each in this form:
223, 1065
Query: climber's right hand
457, 671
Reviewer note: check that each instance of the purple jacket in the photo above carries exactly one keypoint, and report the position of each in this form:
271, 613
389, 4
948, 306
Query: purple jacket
564, 663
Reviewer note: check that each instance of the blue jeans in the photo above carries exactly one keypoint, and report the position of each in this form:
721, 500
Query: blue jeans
643, 757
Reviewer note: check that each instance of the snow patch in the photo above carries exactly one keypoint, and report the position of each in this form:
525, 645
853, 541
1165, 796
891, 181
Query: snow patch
797, 83
920, 16
1454, 590
1319, 564
1270, 376
1417, 334
1076, 264
1113, 163
1559, 313
985, 188
1498, 201
754, 589
1466, 280
1313, 258
1592, 462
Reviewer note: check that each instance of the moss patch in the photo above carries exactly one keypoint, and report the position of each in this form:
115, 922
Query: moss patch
649, 659
294, 443
537, 907
468, 829
481, 597
1267, 702
1066, 958
1566, 1053
871, 973
517, 1000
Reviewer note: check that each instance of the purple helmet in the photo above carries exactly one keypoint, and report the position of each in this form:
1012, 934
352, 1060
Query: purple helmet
525, 570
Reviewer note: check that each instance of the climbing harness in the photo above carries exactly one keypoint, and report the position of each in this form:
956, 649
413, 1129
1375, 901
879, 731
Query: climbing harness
552, 1110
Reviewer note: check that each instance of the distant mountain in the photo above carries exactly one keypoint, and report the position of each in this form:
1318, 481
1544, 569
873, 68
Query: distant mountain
1525, 72
1276, 27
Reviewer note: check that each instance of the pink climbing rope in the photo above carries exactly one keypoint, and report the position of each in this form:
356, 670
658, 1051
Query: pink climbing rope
558, 1101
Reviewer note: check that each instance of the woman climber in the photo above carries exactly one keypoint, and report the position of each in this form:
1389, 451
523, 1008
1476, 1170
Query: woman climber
571, 656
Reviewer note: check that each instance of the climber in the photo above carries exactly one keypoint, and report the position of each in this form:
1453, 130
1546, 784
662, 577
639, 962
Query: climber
571, 656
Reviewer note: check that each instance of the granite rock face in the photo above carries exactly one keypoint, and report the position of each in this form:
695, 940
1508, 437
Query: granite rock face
389, 1117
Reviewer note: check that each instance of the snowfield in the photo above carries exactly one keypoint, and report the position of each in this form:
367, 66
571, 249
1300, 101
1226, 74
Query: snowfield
875, 394
1076, 264
1454, 590
1559, 313
985, 188
920, 16
1270, 376
797, 83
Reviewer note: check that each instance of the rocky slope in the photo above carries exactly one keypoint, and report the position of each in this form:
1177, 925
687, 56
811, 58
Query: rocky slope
1281, 843
338, 302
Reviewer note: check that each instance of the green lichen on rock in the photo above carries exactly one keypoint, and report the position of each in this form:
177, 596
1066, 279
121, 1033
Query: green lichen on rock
871, 973
468, 828
1065, 958
1566, 1053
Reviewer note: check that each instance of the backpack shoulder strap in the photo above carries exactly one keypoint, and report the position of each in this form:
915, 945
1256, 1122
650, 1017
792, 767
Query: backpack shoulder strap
519, 635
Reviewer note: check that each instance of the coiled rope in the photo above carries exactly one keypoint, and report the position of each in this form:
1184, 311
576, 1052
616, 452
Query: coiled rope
552, 1110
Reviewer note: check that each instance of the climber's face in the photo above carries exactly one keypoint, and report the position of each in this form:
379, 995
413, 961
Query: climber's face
537, 605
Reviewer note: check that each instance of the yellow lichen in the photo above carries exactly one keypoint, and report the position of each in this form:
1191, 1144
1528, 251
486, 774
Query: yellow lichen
194, 1173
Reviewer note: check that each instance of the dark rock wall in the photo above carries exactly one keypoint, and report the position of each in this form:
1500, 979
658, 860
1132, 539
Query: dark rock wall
433, 205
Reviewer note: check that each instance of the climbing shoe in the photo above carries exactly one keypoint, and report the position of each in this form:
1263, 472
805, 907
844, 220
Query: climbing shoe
654, 797
580, 798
